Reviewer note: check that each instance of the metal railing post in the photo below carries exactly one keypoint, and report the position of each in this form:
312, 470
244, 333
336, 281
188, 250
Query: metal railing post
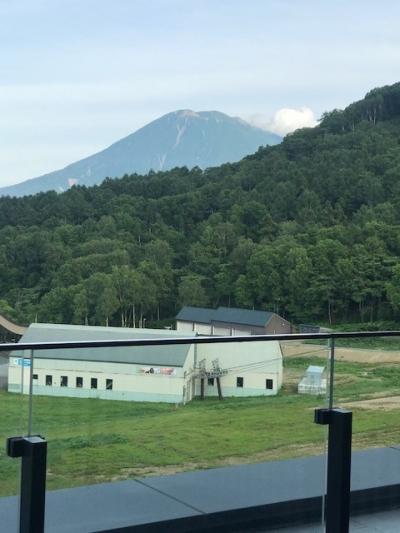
33, 451
339, 467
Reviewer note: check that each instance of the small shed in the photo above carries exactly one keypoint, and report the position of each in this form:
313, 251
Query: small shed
314, 381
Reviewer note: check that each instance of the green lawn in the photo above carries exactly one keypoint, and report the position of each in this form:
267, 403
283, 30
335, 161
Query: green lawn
97, 440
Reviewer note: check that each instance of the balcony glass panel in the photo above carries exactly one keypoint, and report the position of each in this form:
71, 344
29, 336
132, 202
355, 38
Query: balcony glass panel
367, 381
14, 409
151, 449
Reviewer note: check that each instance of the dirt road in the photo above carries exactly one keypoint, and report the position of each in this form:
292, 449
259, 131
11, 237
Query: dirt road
357, 355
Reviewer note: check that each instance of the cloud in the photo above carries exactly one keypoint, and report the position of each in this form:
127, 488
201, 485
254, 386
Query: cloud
285, 120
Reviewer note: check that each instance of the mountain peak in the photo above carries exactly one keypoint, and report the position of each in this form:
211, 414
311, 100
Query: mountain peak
186, 113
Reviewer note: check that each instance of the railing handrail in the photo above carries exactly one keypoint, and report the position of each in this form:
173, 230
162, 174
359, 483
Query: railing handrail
12, 347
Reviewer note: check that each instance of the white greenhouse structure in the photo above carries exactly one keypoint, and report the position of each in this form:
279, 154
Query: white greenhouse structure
314, 381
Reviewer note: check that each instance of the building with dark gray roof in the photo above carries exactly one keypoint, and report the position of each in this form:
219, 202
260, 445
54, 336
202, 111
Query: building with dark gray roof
230, 321
164, 373
202, 315
141, 373
142, 355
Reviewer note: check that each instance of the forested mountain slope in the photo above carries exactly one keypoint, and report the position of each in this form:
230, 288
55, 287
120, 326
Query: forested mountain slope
181, 138
309, 228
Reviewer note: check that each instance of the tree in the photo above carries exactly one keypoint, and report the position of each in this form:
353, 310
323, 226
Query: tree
393, 288
81, 307
158, 279
133, 289
191, 291
101, 297
57, 306
7, 311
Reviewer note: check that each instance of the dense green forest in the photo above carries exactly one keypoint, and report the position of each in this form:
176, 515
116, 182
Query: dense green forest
309, 228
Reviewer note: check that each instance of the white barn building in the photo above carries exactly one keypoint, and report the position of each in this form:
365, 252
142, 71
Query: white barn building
168, 373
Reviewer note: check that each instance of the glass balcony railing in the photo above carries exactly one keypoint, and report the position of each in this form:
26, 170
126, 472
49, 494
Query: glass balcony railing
14, 418
367, 381
174, 430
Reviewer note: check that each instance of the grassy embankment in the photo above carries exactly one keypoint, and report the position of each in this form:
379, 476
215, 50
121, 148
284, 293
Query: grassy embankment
92, 441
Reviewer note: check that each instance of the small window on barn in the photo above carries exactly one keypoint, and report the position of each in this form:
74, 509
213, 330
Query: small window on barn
79, 383
64, 381
35, 376
93, 383
49, 381
239, 382
269, 384
109, 384
210, 381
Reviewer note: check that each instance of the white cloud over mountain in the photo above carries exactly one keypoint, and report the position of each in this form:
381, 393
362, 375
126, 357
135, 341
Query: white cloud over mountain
285, 120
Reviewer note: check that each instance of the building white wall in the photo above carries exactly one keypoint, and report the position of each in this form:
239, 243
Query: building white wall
129, 381
191, 328
241, 330
231, 329
255, 362
203, 329
221, 330
254, 384
184, 327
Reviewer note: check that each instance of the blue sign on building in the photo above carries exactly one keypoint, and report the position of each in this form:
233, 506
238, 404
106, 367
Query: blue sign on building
22, 362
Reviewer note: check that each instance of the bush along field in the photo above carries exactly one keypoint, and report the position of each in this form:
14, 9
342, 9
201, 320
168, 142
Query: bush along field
93, 441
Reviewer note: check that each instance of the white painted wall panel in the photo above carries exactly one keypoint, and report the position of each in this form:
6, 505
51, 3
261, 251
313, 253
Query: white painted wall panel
202, 329
126, 379
241, 331
184, 327
221, 330
254, 361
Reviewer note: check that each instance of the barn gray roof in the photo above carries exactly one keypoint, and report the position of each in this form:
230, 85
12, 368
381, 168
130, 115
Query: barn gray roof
146, 355
196, 314
247, 317
232, 315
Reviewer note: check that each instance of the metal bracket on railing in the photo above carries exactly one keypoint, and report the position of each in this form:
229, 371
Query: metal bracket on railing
33, 451
339, 467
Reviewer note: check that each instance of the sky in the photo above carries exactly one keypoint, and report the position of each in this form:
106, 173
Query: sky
77, 75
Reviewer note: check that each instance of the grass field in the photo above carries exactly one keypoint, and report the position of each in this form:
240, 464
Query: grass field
93, 441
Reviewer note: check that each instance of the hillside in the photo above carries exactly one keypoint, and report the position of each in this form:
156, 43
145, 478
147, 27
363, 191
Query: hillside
182, 138
308, 228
